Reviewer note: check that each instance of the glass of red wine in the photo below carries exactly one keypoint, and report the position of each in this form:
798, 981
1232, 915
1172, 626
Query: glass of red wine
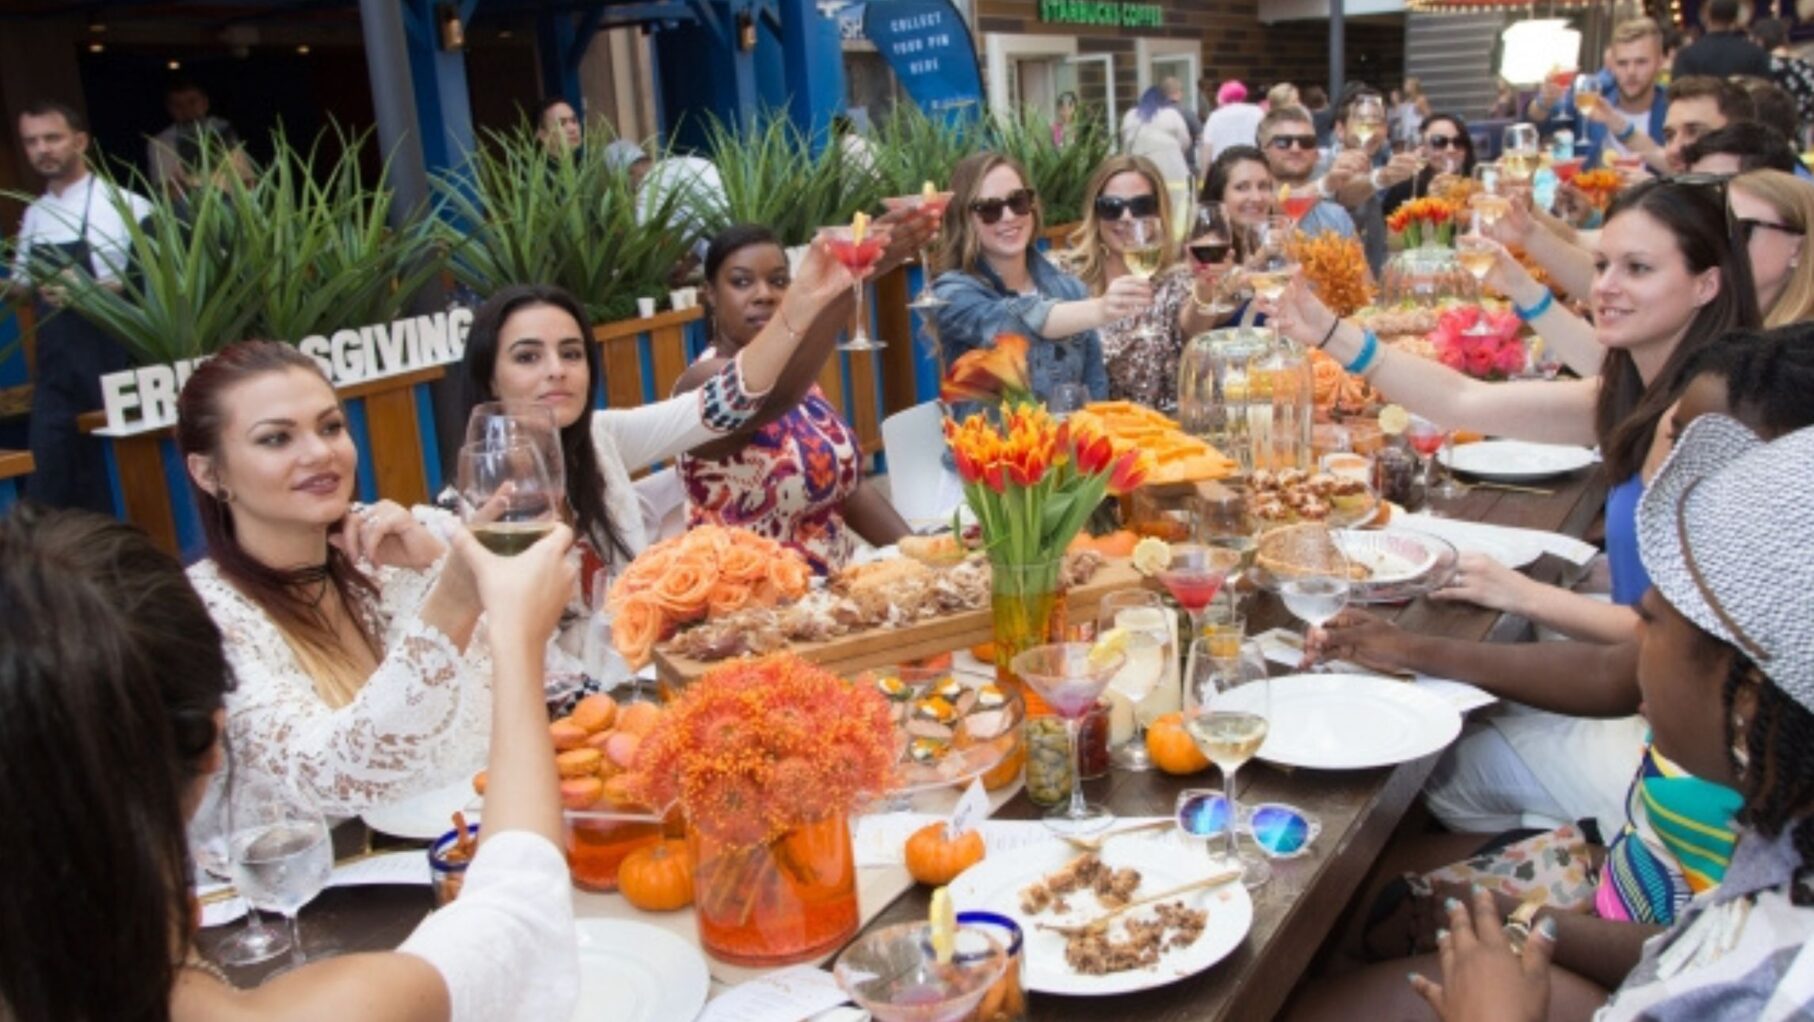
859, 252
1211, 245
1195, 575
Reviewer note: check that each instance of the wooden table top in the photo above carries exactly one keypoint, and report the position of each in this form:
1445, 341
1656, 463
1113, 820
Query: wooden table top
1293, 914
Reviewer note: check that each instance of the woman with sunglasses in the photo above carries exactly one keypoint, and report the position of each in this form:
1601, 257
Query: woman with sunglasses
1726, 671
1140, 352
994, 281
1448, 151
1773, 210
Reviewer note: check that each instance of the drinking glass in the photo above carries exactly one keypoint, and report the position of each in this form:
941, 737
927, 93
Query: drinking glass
1211, 243
1489, 198
1195, 575
1518, 156
1227, 714
279, 850
1477, 253
1544, 359
1366, 119
1316, 587
209, 829
1587, 96
1273, 262
505, 496
1222, 522
895, 975
936, 202
1070, 677
860, 258
502, 423
1426, 439
1067, 398
1148, 680
1145, 249
1296, 203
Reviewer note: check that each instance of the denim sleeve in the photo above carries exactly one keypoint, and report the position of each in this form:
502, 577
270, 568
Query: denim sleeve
1095, 375
974, 314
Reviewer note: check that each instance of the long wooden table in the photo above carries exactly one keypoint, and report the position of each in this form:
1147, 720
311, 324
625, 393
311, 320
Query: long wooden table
1293, 914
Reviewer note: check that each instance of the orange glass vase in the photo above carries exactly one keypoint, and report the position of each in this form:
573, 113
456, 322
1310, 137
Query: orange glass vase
791, 900
1026, 607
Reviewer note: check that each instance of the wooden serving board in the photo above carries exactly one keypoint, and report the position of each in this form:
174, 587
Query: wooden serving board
883, 647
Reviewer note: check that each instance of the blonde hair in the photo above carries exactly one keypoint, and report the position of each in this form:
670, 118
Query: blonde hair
1282, 94
1634, 30
958, 247
1793, 200
1088, 255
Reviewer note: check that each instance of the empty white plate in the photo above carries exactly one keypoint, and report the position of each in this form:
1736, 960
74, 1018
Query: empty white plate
1514, 460
634, 972
1348, 721
427, 816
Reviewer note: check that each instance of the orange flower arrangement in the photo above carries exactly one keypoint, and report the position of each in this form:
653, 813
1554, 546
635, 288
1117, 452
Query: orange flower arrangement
1336, 268
757, 748
1599, 185
1338, 389
709, 570
1424, 221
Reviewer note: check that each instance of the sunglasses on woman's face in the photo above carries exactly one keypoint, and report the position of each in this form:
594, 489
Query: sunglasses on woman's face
1445, 142
1281, 831
1019, 201
1114, 207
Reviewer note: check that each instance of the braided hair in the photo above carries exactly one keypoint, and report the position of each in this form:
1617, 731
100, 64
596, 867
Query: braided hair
1769, 376
1777, 773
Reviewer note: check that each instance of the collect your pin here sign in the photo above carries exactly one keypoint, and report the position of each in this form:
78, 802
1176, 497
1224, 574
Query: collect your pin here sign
143, 398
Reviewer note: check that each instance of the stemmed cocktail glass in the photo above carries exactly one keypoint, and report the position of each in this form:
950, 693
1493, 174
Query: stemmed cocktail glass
859, 250
1070, 677
1195, 575
935, 203
895, 974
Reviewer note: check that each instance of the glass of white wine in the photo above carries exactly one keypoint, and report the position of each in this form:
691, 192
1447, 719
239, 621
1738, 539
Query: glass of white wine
1519, 156
1477, 253
1366, 119
1587, 96
502, 423
1314, 586
505, 496
1488, 199
1144, 249
280, 852
1146, 687
1227, 714
1273, 262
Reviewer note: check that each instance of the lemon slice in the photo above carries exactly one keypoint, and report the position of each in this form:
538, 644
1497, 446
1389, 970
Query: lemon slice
1393, 420
942, 921
1108, 646
1536, 347
1284, 193
1151, 555
859, 226
927, 191
1608, 158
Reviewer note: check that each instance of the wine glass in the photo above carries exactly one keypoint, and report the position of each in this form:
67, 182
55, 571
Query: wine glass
1067, 398
1587, 96
1273, 262
1145, 241
1227, 714
894, 973
1296, 203
505, 496
1148, 680
936, 203
1488, 199
502, 423
1518, 155
208, 846
860, 258
279, 851
1070, 677
1426, 439
1316, 589
1195, 575
1210, 244
1477, 253
1366, 119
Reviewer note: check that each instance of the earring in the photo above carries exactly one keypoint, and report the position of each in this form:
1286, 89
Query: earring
1740, 754
224, 495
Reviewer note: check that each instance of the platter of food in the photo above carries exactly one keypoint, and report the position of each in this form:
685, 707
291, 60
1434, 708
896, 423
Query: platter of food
1291, 496
949, 729
1177, 456
1149, 945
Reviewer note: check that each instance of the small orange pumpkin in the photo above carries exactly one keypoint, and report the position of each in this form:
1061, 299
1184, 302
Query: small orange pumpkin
984, 651
933, 858
1171, 747
657, 878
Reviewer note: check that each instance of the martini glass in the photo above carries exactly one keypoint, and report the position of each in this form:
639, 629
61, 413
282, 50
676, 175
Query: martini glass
894, 974
1426, 439
935, 203
860, 258
1195, 575
1296, 204
1070, 678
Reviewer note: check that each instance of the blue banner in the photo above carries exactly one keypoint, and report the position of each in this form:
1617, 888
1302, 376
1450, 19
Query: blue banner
929, 47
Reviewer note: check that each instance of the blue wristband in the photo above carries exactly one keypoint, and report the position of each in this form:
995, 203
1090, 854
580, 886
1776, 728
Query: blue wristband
1631, 128
1536, 310
1368, 353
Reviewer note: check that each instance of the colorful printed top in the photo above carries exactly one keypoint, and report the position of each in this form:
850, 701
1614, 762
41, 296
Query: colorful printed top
1676, 843
788, 483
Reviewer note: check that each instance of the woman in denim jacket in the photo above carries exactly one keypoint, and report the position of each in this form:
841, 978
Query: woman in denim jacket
995, 282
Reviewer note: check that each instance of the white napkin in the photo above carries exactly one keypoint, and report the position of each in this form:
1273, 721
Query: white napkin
1282, 646
1525, 544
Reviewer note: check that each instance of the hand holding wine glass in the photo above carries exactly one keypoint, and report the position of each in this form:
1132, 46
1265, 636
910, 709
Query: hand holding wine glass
505, 496
1366, 120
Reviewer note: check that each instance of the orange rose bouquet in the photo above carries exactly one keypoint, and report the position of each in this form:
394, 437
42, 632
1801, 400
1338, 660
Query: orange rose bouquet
709, 570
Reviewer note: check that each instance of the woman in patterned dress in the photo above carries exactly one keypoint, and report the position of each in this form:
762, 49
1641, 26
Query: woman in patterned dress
1139, 351
794, 474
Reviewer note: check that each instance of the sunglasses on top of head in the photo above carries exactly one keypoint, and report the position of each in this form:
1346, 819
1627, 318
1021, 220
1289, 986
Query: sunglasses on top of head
1114, 207
1284, 142
989, 211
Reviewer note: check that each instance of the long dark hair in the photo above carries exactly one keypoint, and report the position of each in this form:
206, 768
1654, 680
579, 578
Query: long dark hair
585, 482
283, 594
1215, 183
1626, 411
111, 672
1777, 778
1467, 147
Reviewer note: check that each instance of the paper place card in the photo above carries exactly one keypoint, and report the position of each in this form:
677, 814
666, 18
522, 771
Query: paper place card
971, 809
222, 912
789, 995
390, 868
1284, 646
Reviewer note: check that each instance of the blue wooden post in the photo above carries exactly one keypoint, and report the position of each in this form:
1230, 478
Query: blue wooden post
556, 40
443, 106
814, 64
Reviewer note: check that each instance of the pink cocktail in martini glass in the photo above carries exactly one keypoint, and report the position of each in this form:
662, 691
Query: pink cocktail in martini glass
859, 252
933, 203
1070, 677
1297, 204
1195, 575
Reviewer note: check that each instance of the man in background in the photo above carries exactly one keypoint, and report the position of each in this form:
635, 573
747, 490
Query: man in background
1634, 58
557, 126
1724, 49
187, 105
1792, 74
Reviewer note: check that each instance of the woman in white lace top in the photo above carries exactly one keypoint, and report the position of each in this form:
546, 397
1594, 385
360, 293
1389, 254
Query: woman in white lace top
113, 677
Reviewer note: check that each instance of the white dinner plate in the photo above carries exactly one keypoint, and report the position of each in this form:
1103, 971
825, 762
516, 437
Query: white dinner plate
1515, 460
1348, 721
634, 972
426, 816
1470, 538
1388, 556
995, 885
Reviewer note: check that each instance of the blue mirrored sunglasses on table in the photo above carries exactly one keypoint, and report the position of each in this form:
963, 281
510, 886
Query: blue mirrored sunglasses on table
1281, 831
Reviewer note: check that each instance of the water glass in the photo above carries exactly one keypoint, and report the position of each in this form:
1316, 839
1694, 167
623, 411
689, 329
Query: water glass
208, 831
280, 852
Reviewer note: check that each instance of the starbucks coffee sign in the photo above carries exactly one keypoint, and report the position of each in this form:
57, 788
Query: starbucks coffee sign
1104, 14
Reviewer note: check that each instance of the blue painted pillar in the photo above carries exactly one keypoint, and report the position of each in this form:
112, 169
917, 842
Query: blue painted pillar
700, 69
557, 47
814, 64
443, 104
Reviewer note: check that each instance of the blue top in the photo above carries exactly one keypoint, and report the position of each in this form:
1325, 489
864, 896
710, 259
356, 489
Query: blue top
979, 306
1629, 579
1566, 116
